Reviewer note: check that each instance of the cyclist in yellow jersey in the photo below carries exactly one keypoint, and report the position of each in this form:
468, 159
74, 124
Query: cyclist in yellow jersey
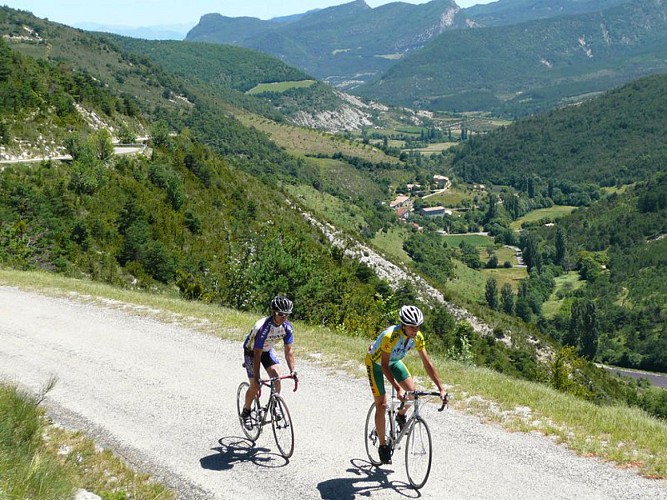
384, 360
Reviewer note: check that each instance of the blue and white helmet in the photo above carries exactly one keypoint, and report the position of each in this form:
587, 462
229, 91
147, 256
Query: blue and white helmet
411, 316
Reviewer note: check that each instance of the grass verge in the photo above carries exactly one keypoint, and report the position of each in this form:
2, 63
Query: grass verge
625, 436
40, 460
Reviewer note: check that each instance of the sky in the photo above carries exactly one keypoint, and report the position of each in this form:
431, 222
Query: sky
138, 13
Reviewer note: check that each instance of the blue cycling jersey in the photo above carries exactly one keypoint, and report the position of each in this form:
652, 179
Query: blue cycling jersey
265, 334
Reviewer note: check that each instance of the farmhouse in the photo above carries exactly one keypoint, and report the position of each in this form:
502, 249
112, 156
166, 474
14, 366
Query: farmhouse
403, 213
440, 180
433, 211
400, 201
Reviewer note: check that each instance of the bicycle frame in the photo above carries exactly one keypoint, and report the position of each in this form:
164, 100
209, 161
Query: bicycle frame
418, 447
274, 412
266, 410
395, 436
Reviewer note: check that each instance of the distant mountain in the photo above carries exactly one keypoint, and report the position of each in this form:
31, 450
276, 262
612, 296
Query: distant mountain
160, 32
505, 12
343, 45
530, 66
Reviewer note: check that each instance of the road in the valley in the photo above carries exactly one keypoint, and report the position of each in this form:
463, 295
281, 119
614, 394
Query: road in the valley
164, 398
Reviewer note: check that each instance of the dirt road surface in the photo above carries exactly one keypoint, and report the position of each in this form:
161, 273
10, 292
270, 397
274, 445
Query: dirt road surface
163, 397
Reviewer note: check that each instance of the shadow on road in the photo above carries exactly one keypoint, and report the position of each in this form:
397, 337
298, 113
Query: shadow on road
235, 449
368, 479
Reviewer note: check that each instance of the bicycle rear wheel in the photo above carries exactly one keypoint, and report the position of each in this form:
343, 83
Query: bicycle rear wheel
283, 430
418, 453
251, 433
371, 439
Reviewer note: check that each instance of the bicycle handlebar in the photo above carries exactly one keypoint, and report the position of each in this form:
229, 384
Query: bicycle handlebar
267, 382
445, 401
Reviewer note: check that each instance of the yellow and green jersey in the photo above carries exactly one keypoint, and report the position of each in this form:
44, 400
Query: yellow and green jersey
395, 342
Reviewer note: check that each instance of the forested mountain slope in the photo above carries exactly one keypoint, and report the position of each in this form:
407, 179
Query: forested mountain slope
344, 44
278, 91
616, 138
505, 12
531, 66
619, 246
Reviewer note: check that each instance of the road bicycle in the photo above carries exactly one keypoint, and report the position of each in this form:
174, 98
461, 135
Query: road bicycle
418, 449
275, 412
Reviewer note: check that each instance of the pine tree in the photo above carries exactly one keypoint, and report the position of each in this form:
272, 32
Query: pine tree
584, 327
491, 293
561, 246
507, 298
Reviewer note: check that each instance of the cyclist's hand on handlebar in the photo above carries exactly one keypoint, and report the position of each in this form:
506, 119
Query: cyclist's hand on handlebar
294, 375
400, 393
445, 400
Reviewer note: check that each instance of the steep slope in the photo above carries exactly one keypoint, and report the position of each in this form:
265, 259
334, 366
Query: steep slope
59, 101
256, 82
530, 66
505, 12
343, 45
616, 138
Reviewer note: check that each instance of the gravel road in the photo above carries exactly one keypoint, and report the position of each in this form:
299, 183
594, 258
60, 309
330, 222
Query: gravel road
164, 398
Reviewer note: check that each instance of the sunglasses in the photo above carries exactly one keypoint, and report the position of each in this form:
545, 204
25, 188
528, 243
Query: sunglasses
282, 315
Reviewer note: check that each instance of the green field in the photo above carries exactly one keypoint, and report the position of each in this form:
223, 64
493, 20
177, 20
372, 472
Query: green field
452, 197
511, 275
467, 283
301, 141
391, 242
280, 86
437, 147
552, 213
476, 240
566, 282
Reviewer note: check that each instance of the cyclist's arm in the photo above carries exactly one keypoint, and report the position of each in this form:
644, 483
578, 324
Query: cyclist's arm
289, 357
432, 372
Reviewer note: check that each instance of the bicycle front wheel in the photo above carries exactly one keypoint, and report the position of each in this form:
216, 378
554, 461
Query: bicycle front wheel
418, 453
371, 438
252, 431
283, 430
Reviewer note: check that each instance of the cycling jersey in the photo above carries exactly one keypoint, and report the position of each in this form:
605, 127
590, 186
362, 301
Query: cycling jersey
265, 334
395, 342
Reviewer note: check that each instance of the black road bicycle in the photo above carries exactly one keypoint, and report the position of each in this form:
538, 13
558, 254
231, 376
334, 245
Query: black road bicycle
275, 411
418, 449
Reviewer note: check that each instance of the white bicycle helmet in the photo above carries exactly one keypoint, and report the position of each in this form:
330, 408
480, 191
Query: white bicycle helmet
281, 304
411, 316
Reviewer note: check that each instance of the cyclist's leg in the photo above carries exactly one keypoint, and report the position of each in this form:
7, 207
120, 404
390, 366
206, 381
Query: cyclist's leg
404, 379
248, 360
376, 381
271, 362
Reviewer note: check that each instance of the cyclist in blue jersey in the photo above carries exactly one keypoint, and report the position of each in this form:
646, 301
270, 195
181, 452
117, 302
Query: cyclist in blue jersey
384, 360
258, 347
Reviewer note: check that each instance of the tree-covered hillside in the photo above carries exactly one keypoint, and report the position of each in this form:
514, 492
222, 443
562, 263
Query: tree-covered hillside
231, 72
504, 12
531, 66
182, 218
619, 249
343, 44
617, 138
234, 67
38, 104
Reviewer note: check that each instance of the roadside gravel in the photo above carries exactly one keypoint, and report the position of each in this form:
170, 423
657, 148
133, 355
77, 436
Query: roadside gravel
163, 397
